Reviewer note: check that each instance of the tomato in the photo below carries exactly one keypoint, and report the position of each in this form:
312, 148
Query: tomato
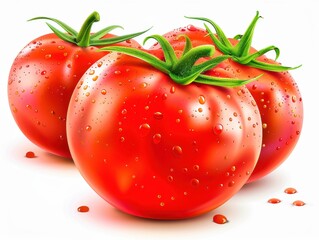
275, 92
159, 149
44, 75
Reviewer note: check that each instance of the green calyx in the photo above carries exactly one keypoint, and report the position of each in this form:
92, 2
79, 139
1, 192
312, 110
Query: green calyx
183, 70
84, 38
241, 51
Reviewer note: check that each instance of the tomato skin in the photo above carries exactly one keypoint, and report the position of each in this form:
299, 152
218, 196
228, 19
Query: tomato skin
41, 81
156, 149
280, 105
276, 95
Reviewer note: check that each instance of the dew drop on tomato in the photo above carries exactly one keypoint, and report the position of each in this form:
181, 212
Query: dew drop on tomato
220, 219
172, 90
274, 200
177, 151
144, 129
298, 203
290, 190
191, 28
30, 154
157, 138
83, 209
158, 115
218, 129
201, 99
195, 182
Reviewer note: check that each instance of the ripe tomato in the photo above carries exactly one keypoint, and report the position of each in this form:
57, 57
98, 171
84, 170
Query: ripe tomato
275, 92
157, 149
44, 75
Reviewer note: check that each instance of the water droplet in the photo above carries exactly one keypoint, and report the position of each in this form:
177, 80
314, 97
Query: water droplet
122, 139
170, 178
143, 85
172, 90
191, 27
117, 72
231, 183
298, 203
218, 129
88, 128
177, 151
157, 138
158, 115
290, 190
220, 219
83, 209
195, 182
43, 72
124, 111
30, 154
164, 96
274, 200
253, 102
144, 129
293, 98
201, 99
196, 167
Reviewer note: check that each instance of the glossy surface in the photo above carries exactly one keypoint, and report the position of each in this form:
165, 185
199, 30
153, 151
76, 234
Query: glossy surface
156, 149
276, 95
41, 81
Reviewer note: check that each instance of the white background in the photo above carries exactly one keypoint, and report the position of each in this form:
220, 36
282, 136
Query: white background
39, 197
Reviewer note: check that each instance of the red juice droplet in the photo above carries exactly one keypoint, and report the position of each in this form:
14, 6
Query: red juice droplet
30, 154
298, 203
83, 209
220, 219
274, 200
290, 190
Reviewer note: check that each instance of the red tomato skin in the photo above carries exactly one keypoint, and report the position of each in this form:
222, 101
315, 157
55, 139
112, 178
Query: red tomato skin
41, 81
280, 104
276, 94
156, 149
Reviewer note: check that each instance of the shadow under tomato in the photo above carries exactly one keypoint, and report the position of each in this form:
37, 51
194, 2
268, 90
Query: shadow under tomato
107, 218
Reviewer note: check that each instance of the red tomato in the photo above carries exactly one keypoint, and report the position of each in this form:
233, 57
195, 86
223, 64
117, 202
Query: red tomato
275, 92
157, 149
43, 77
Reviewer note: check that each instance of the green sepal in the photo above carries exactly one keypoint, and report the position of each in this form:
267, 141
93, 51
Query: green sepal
84, 38
241, 51
183, 70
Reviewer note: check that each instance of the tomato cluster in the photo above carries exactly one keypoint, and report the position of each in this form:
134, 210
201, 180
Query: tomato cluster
168, 132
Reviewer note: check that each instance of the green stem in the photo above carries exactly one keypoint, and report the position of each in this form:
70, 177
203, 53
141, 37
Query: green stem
83, 38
